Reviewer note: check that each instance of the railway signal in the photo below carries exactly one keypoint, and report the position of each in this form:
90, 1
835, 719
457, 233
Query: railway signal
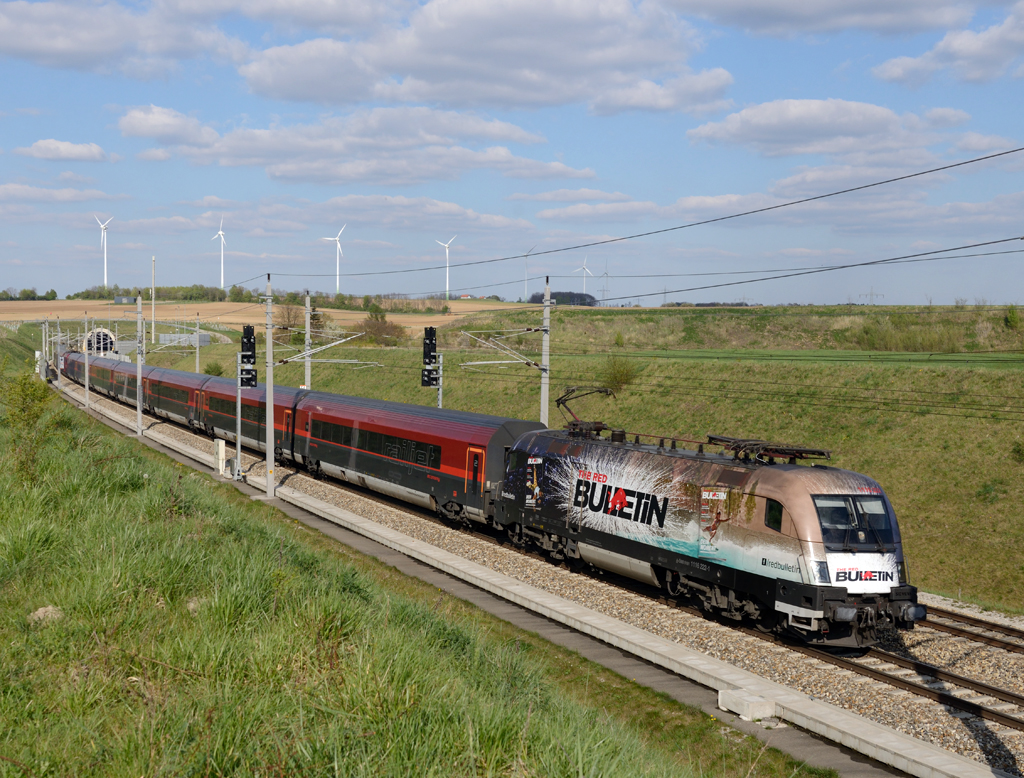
433, 363
246, 369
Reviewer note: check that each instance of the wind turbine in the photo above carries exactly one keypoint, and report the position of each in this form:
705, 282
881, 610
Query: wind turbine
337, 241
585, 270
446, 245
220, 234
103, 242
526, 274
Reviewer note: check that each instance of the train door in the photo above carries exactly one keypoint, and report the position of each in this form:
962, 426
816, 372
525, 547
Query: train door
474, 470
285, 440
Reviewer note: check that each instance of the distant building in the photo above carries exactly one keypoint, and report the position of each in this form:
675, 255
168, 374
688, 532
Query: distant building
124, 301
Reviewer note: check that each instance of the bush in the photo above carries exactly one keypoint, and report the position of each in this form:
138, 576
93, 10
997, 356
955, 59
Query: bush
214, 368
25, 400
619, 372
1012, 318
379, 330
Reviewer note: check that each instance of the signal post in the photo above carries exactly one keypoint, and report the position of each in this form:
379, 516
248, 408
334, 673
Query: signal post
246, 372
433, 364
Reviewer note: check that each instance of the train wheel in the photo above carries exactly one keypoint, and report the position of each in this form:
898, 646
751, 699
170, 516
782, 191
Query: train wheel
515, 534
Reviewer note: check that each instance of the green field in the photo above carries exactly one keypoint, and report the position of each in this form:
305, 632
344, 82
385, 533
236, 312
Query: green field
155, 622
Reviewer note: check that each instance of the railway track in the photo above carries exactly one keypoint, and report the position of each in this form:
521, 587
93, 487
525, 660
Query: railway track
978, 630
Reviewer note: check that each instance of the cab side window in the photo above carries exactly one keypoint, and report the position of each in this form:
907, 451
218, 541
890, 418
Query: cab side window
773, 515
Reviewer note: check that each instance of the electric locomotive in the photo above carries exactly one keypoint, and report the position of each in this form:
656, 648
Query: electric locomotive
812, 551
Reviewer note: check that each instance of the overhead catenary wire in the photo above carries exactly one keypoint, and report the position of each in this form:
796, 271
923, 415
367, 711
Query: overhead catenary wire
714, 220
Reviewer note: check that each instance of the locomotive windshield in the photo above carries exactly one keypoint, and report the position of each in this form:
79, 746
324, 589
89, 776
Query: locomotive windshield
854, 522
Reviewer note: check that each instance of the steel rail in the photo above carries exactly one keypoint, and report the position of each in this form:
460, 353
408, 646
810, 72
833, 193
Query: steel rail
923, 668
943, 698
970, 634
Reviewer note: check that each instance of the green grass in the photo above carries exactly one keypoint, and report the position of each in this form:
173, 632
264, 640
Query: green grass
203, 633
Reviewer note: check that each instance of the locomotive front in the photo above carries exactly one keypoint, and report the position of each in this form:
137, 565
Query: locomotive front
851, 549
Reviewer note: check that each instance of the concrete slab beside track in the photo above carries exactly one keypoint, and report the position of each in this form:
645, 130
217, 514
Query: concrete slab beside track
684, 674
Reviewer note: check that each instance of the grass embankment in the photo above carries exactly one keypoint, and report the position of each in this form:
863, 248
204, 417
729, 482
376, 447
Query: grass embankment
939, 432
155, 622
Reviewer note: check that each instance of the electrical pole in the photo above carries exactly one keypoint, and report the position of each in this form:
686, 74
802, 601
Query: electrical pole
545, 360
60, 383
440, 380
309, 382
86, 363
152, 300
270, 390
140, 343
197, 341
238, 417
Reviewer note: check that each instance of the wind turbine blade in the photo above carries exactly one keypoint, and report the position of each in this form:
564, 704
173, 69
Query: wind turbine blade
97, 218
108, 221
453, 238
215, 236
221, 223
328, 238
439, 243
342, 229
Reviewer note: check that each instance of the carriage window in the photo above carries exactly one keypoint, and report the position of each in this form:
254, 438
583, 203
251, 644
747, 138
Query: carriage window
773, 515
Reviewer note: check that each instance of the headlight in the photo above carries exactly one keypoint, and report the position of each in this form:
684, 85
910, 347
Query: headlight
901, 569
820, 571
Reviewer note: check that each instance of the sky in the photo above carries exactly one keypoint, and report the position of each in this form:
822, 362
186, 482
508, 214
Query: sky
534, 125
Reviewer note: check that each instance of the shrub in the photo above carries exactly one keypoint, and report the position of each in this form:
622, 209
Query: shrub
379, 330
25, 399
1012, 318
214, 368
619, 372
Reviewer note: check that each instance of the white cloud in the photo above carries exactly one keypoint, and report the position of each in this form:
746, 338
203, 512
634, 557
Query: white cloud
833, 126
571, 196
64, 150
788, 17
26, 193
971, 56
614, 56
107, 36
166, 126
68, 177
380, 146
974, 141
946, 117
154, 155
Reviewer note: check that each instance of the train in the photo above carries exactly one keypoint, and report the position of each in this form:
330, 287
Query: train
750, 533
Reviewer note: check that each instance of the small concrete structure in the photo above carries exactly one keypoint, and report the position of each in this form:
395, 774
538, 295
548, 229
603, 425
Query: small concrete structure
749, 707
